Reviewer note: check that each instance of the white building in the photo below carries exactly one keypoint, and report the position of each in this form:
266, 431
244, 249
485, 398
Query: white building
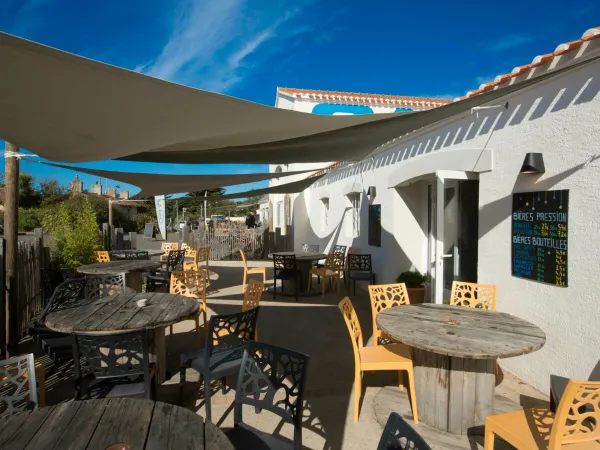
332, 103
445, 196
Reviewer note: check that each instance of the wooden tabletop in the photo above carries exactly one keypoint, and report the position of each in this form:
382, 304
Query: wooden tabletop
302, 256
117, 267
98, 424
120, 313
460, 331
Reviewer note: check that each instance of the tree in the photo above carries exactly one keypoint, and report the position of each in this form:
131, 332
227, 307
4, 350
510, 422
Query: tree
29, 196
52, 192
75, 231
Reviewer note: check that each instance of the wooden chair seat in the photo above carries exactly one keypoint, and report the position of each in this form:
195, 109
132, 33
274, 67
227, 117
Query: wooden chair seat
259, 270
529, 429
385, 357
323, 272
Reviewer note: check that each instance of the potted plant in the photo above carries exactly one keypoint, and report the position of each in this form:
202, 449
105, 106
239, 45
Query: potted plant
414, 285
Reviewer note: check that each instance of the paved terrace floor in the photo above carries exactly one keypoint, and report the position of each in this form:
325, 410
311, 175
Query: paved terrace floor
313, 326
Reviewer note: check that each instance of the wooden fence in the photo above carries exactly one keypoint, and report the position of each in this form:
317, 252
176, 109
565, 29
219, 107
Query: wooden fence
30, 261
225, 243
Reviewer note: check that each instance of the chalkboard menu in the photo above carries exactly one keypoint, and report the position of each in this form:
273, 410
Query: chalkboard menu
540, 236
149, 231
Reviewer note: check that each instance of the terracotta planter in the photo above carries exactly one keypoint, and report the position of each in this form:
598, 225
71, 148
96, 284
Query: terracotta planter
416, 295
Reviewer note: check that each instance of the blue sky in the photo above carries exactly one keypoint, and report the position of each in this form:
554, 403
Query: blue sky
248, 48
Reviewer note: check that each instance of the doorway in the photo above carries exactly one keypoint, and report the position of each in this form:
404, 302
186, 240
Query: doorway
453, 225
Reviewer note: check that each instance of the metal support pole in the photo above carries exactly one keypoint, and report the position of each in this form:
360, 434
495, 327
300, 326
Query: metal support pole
11, 223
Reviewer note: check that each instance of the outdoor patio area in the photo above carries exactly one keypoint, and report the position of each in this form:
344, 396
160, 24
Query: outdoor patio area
315, 327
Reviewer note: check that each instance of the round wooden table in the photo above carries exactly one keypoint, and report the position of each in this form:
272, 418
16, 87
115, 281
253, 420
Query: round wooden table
120, 314
133, 270
305, 261
99, 424
454, 354
122, 254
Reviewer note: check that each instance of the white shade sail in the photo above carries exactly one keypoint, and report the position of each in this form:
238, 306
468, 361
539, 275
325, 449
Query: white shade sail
157, 184
67, 108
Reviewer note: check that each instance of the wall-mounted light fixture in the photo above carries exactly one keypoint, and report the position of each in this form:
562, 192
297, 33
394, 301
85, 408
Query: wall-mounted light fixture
533, 163
372, 192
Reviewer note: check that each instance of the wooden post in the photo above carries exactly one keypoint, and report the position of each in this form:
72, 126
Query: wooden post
11, 223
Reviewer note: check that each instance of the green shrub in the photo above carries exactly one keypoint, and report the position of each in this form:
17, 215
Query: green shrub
74, 229
29, 219
412, 279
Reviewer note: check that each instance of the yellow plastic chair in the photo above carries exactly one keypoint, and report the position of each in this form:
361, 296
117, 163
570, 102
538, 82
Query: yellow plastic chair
473, 295
102, 256
374, 358
575, 425
332, 270
203, 256
252, 296
251, 271
191, 283
384, 296
166, 247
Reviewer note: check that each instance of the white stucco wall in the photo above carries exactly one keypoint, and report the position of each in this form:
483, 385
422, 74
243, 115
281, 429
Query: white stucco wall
559, 118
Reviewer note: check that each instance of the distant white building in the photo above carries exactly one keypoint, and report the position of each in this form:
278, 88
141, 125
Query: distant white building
331, 103
454, 200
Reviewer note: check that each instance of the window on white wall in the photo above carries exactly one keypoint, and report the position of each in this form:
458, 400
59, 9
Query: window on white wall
278, 217
353, 216
325, 221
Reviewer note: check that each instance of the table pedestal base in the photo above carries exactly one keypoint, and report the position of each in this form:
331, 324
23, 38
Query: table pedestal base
453, 394
134, 281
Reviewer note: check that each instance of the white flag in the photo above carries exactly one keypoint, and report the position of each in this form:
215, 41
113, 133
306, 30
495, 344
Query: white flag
159, 201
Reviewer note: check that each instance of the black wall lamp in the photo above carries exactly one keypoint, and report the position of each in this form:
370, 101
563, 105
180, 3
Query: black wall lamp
533, 163
372, 192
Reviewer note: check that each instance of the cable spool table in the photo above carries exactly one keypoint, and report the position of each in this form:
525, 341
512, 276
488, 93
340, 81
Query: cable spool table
454, 354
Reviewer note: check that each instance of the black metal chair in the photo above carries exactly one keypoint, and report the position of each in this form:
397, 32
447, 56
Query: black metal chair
360, 267
51, 278
286, 269
397, 434
18, 384
222, 355
265, 371
112, 366
161, 277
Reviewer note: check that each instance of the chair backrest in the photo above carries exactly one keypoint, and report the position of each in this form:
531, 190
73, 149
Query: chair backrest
384, 296
188, 249
102, 256
111, 356
17, 384
266, 371
230, 333
189, 283
243, 255
252, 295
51, 278
339, 249
203, 254
175, 260
360, 262
66, 294
398, 435
166, 247
335, 261
97, 286
310, 248
577, 417
473, 295
351, 319
284, 262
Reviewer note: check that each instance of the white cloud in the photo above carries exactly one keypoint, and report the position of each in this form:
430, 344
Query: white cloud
510, 41
212, 41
